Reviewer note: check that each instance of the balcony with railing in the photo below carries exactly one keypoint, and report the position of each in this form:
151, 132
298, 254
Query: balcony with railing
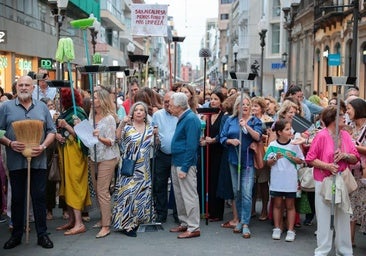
112, 15
327, 13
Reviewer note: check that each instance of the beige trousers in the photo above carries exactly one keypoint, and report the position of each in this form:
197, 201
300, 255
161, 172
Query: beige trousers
104, 178
186, 198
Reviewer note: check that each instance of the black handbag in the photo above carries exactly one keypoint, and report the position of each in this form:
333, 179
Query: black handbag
128, 165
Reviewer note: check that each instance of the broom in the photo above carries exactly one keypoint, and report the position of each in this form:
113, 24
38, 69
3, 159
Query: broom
29, 132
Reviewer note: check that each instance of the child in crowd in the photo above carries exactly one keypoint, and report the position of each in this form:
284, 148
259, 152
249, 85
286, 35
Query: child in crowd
283, 158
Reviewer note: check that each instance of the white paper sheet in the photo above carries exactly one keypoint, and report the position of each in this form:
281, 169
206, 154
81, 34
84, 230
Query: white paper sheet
84, 130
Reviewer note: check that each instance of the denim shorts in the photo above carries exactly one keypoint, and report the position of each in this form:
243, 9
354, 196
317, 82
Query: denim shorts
283, 194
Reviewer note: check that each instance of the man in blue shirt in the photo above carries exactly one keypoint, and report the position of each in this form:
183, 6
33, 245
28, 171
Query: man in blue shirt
166, 124
24, 107
42, 90
185, 144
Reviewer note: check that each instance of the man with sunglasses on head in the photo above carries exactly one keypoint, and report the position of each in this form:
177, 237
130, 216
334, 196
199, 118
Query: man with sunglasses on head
166, 124
42, 90
21, 108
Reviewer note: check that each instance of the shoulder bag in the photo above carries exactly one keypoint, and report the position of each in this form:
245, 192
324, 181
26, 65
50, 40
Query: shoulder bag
349, 180
128, 165
306, 179
54, 174
258, 148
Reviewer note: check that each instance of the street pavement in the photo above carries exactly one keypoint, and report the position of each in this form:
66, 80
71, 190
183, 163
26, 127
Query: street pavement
214, 240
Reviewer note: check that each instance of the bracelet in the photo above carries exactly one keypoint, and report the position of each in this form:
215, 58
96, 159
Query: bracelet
9, 145
307, 141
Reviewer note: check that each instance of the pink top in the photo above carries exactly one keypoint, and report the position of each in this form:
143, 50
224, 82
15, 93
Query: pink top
322, 148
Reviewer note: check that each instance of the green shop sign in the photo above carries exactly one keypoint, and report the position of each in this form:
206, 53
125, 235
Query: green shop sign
45, 63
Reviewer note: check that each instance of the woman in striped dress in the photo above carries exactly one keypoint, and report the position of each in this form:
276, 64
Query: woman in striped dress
133, 194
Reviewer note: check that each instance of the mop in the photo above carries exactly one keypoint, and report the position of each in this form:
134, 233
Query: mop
84, 24
207, 112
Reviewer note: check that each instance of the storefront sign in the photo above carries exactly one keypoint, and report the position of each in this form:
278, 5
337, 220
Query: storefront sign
25, 64
3, 36
3, 62
278, 65
45, 63
334, 59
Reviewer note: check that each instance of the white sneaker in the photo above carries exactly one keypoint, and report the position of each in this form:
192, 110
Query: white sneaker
276, 234
290, 237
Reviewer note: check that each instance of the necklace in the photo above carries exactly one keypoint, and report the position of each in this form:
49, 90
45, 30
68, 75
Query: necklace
139, 127
360, 127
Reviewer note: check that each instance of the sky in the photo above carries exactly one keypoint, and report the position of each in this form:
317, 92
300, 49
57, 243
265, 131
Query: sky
190, 19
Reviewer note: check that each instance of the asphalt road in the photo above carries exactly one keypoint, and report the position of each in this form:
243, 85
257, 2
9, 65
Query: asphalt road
214, 240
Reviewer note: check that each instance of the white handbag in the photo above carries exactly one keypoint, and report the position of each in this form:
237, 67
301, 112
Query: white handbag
306, 179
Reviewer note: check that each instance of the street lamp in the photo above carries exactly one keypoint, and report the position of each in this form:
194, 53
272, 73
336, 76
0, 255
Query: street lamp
58, 10
290, 9
223, 61
176, 39
204, 53
284, 58
262, 36
138, 58
94, 29
235, 51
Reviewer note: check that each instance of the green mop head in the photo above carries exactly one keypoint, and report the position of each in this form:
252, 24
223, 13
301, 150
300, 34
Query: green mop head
65, 50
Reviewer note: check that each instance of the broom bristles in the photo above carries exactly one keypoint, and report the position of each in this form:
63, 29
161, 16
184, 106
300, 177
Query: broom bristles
29, 132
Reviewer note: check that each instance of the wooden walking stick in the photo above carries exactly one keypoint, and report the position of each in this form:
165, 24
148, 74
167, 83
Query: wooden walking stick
29, 132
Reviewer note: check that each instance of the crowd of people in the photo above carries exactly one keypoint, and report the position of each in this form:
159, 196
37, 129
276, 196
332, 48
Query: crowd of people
201, 143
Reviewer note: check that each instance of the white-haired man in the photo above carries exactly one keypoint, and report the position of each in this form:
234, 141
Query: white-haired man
184, 148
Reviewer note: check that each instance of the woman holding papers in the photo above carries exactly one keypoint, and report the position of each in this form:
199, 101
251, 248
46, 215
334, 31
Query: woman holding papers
105, 155
73, 162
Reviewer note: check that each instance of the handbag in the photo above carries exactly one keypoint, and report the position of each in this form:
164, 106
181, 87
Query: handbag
128, 165
349, 180
306, 179
258, 148
54, 174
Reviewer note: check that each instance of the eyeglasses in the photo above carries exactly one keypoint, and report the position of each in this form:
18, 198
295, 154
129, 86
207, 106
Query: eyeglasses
24, 85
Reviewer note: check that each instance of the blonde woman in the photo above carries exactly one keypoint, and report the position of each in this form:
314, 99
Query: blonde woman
251, 129
107, 155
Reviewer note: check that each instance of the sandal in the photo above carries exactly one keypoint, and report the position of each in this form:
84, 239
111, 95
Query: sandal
246, 232
263, 218
97, 225
227, 225
238, 228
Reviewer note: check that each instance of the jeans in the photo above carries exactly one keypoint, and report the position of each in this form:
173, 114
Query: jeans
243, 199
18, 181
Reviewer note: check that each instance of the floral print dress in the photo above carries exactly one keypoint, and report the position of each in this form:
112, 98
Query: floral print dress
358, 197
132, 198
